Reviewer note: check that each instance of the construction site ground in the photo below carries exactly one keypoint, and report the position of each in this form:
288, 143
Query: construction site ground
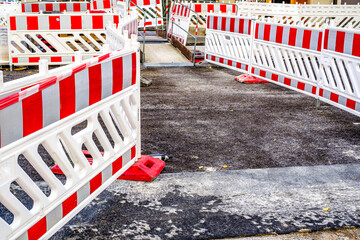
245, 160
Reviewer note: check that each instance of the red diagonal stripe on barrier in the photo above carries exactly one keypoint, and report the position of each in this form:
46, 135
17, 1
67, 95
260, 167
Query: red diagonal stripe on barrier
306, 39
356, 45
116, 165
198, 8
49, 7
241, 26
32, 113
133, 152
320, 41
257, 31
210, 7
54, 22
95, 183
279, 34
23, 7
62, 7
133, 72
340, 39
232, 24
35, 7
292, 36
67, 96
77, 7
32, 23
350, 104
98, 22
223, 24
107, 4
267, 28
326, 38
37, 230
76, 22
69, 204
94, 84
12, 23
223, 8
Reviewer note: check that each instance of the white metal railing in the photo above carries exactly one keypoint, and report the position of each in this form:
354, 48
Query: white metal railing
100, 99
320, 62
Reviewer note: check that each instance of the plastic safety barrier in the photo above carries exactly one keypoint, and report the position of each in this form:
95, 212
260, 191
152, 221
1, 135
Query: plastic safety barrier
287, 55
8, 9
203, 9
37, 7
228, 41
152, 9
128, 27
322, 63
340, 72
180, 14
56, 37
92, 105
102, 4
310, 15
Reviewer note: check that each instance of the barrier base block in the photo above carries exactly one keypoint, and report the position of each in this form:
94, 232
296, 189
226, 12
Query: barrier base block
146, 169
246, 78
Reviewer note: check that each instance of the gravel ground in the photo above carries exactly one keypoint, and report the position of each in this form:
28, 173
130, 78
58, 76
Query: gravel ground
202, 117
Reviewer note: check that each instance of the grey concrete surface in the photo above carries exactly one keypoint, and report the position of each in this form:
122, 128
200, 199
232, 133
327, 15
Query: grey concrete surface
163, 53
220, 204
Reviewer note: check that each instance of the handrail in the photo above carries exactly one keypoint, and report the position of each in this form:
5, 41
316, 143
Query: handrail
194, 36
143, 12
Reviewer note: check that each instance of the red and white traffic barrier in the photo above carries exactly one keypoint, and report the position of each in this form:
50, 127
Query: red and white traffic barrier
322, 63
102, 4
103, 92
287, 55
340, 72
151, 9
37, 7
56, 38
180, 15
203, 9
307, 14
223, 33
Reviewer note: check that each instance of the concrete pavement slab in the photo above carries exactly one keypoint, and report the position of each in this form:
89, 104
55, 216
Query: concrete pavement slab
220, 204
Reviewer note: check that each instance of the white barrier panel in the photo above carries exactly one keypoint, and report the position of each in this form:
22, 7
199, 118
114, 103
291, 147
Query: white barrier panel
340, 71
180, 14
6, 10
100, 100
153, 12
120, 9
127, 28
56, 37
37, 7
322, 63
228, 41
102, 5
310, 15
203, 9
287, 55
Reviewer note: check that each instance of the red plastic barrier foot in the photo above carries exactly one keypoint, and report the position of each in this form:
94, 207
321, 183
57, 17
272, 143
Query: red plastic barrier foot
57, 170
246, 78
145, 169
